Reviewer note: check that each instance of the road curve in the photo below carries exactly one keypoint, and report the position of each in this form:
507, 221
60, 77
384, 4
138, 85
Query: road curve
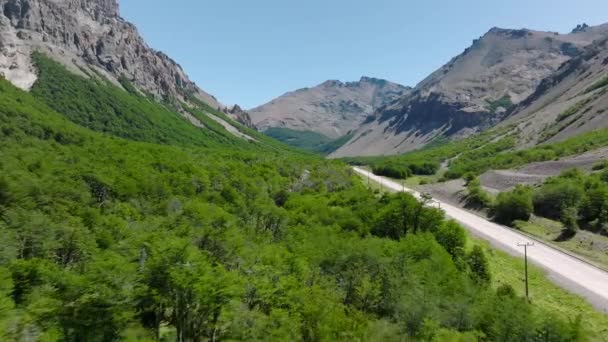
569, 272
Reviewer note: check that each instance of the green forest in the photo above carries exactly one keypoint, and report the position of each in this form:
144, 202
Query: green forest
122, 222
307, 140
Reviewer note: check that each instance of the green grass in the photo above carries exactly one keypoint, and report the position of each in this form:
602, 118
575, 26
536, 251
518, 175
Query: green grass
507, 269
593, 247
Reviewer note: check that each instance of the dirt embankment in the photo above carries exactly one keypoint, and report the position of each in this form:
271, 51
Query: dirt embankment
536, 173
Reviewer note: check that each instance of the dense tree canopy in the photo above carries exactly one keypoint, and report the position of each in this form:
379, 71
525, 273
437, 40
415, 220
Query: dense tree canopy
105, 238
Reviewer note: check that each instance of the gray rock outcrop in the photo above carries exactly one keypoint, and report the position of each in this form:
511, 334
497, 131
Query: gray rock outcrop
87, 35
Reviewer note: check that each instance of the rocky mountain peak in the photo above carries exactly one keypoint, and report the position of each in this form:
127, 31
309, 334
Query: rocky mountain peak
580, 28
89, 37
473, 91
98, 8
332, 83
333, 108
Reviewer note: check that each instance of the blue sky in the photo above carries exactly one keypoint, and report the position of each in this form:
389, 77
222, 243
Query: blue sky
250, 51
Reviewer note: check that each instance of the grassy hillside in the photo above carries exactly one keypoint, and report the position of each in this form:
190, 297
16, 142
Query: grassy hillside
101, 106
492, 150
212, 238
307, 140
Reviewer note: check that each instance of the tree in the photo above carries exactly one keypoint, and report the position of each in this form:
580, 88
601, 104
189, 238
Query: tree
479, 266
4, 192
403, 214
392, 171
476, 195
569, 217
6, 303
514, 205
452, 237
594, 207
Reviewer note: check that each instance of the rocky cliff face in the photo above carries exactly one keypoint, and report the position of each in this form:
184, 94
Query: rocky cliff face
333, 108
571, 101
87, 36
474, 91
239, 115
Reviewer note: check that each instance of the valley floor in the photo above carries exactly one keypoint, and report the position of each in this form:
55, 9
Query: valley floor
569, 272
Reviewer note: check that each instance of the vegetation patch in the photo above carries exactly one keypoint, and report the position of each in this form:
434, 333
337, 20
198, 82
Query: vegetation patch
504, 102
573, 109
109, 238
598, 85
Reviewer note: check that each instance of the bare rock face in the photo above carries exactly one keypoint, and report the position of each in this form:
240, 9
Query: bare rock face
86, 35
332, 108
571, 101
472, 92
239, 115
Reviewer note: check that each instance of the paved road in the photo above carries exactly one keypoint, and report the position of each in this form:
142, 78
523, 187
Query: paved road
569, 272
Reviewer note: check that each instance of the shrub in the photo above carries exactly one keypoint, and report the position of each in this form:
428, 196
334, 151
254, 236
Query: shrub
600, 166
452, 237
392, 171
604, 176
557, 195
4, 191
599, 84
514, 205
424, 168
572, 110
477, 196
478, 264
569, 217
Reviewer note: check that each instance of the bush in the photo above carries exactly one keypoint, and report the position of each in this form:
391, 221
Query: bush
477, 196
600, 166
569, 217
514, 205
604, 176
4, 192
452, 237
478, 264
424, 168
392, 171
557, 195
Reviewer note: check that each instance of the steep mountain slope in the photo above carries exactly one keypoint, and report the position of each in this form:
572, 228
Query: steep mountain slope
572, 101
332, 108
88, 36
472, 92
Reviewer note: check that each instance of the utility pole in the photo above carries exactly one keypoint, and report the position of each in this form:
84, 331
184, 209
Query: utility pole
525, 246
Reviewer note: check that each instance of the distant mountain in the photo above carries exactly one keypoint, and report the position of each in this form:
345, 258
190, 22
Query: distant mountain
89, 37
472, 92
332, 108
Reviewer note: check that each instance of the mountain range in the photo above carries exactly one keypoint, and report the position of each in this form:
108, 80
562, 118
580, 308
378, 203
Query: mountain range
549, 85
496, 79
332, 108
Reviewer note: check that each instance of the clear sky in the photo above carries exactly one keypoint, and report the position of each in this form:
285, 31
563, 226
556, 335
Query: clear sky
250, 51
